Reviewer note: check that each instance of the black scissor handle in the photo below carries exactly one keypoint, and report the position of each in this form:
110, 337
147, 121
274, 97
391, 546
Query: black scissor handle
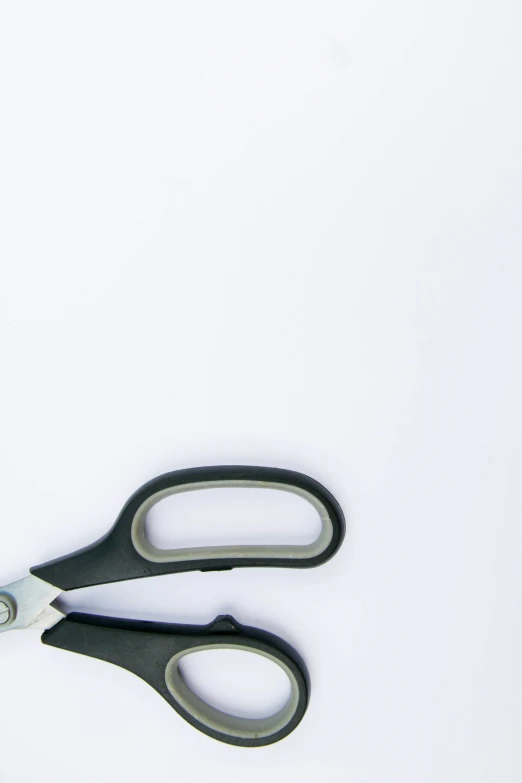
153, 651
126, 553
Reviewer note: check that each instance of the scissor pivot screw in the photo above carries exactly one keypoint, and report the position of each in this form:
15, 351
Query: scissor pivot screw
5, 613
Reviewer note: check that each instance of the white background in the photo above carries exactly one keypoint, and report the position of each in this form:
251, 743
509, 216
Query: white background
281, 233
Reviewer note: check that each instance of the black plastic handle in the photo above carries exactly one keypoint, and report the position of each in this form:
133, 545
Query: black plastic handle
153, 652
125, 552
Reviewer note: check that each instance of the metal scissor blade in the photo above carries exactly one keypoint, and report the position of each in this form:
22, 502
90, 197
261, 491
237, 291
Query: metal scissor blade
26, 604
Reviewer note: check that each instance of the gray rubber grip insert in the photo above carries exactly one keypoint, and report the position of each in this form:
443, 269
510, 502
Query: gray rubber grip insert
292, 552
223, 722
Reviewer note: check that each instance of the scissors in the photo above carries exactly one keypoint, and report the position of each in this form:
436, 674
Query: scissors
154, 650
